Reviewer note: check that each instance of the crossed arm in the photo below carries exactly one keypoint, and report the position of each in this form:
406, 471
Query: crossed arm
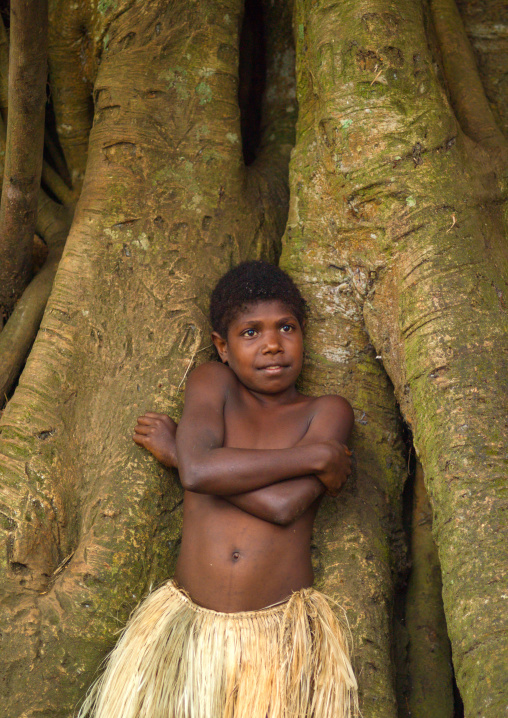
277, 485
280, 503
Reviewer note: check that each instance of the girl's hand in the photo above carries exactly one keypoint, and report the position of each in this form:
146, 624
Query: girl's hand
337, 467
156, 433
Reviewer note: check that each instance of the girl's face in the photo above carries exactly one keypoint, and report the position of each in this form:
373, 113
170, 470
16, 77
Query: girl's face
264, 347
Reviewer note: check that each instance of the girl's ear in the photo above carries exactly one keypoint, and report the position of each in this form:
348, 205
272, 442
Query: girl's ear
221, 345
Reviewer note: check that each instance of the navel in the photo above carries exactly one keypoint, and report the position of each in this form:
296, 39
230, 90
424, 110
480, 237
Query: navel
235, 555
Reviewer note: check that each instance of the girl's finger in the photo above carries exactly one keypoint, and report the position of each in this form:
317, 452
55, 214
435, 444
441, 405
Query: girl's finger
145, 420
145, 430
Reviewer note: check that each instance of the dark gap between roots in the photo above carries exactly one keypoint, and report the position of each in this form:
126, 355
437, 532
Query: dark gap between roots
5, 13
401, 637
51, 137
252, 78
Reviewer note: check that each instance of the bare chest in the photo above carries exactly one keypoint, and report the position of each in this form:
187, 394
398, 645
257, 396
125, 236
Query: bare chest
254, 427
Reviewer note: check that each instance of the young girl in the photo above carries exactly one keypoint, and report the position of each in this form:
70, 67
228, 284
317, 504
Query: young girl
239, 632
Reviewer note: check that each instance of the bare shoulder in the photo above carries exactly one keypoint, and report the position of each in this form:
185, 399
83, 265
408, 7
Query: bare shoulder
211, 373
333, 403
334, 414
206, 392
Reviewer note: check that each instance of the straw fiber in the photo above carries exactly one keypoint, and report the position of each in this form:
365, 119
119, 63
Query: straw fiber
176, 659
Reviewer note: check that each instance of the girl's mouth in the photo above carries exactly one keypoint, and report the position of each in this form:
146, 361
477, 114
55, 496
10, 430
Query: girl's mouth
273, 368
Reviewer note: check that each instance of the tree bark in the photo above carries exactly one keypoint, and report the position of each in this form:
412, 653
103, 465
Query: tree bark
395, 236
359, 539
167, 206
25, 137
413, 230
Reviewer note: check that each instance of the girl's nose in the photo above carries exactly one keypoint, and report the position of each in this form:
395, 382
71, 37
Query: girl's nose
272, 343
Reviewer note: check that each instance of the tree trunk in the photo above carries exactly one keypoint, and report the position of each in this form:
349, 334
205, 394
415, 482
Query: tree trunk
411, 234
167, 206
395, 236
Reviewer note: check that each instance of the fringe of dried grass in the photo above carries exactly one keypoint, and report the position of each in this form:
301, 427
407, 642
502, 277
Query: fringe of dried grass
179, 660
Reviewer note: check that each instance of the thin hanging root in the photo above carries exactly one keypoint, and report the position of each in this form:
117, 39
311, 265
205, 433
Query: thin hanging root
378, 78
194, 355
454, 222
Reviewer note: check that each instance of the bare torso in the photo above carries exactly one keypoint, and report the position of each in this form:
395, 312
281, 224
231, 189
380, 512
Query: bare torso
230, 560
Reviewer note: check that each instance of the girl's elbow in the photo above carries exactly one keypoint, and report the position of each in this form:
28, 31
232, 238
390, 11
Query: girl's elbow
187, 483
191, 478
283, 514
283, 519
289, 511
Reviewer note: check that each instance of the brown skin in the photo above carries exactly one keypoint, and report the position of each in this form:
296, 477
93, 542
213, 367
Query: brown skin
255, 456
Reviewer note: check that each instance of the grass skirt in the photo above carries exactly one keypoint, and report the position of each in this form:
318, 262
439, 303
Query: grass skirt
176, 659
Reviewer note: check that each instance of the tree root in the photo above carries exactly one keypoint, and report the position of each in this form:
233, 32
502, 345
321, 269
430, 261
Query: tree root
20, 330
24, 146
55, 183
464, 84
73, 73
17, 336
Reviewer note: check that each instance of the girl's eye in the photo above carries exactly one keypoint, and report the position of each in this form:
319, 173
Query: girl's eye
249, 333
287, 328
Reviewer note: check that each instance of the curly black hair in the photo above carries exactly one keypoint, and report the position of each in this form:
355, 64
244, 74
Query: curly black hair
251, 282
